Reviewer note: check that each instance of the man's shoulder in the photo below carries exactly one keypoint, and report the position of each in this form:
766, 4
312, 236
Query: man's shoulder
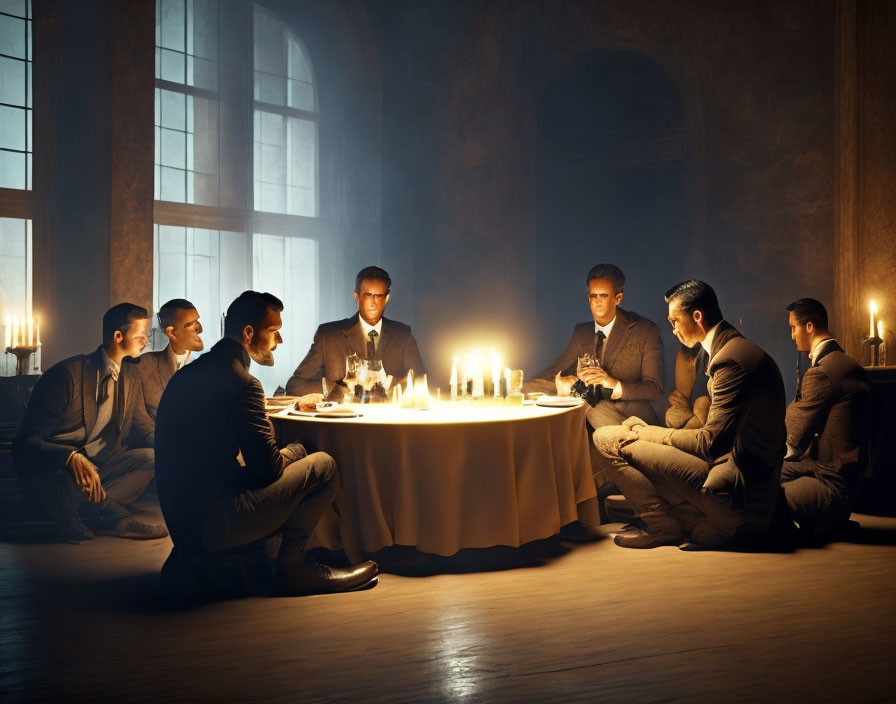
146, 362
335, 326
395, 327
71, 365
839, 364
636, 320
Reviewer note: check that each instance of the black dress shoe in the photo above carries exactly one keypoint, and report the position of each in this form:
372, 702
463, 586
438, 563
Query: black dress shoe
312, 577
73, 531
643, 539
578, 532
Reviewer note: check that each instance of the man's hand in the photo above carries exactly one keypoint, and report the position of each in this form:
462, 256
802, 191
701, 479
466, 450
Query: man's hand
564, 384
601, 378
633, 423
591, 376
86, 477
309, 402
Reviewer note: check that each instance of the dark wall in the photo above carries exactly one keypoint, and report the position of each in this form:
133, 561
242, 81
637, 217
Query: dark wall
757, 89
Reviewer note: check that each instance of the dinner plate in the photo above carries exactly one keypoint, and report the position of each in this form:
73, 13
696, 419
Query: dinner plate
558, 401
328, 413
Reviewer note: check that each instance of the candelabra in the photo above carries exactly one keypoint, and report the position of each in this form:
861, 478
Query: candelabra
23, 354
873, 347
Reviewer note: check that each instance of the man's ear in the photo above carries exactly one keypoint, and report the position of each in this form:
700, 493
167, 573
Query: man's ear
619, 298
810, 328
169, 329
697, 315
248, 332
386, 300
357, 299
117, 337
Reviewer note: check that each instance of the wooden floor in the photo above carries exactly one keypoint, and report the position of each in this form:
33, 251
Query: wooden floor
593, 623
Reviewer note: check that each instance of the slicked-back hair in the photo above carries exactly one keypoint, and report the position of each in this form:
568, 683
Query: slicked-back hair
808, 310
607, 271
249, 308
696, 295
167, 311
120, 318
374, 273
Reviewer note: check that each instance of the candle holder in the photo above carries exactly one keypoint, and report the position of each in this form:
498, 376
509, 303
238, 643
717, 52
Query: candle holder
23, 354
871, 349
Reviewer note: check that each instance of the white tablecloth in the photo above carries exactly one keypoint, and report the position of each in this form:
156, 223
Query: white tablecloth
456, 476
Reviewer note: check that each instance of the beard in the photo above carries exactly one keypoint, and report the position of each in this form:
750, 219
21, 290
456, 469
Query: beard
263, 357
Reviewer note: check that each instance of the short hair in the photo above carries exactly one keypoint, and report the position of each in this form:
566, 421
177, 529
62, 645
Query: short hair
120, 318
249, 308
375, 273
607, 271
808, 310
167, 311
696, 295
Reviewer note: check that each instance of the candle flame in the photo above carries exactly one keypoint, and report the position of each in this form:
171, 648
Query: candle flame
880, 329
873, 307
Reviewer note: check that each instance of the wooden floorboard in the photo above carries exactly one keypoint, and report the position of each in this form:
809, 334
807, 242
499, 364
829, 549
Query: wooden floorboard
594, 623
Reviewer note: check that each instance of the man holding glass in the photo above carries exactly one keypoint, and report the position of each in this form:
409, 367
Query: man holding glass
366, 334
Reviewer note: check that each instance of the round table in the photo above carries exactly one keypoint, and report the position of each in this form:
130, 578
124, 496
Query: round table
450, 477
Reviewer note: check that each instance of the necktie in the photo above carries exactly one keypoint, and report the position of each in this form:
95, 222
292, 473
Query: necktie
599, 338
371, 344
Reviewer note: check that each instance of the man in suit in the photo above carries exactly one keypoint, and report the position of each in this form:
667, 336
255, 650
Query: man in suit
212, 411
827, 427
367, 334
179, 320
714, 484
628, 347
73, 446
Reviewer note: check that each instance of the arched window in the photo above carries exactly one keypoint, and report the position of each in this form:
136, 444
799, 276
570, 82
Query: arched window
16, 196
237, 197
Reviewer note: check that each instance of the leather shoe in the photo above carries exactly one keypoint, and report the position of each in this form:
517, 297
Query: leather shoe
132, 529
313, 577
73, 531
643, 539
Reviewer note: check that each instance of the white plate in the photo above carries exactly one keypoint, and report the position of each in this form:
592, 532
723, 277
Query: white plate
558, 401
329, 413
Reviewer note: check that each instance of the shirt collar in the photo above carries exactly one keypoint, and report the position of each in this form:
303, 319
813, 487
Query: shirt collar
817, 348
366, 327
109, 367
707, 341
606, 329
181, 359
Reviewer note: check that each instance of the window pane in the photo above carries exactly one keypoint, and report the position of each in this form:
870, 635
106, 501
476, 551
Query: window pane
13, 79
12, 128
13, 7
170, 18
283, 74
12, 170
285, 164
15, 277
187, 42
206, 267
12, 36
274, 263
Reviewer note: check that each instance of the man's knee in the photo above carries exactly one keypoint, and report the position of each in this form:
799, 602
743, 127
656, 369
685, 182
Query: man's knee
320, 468
606, 440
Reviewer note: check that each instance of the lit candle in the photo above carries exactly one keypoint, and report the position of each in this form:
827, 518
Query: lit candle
7, 332
37, 330
30, 331
15, 331
453, 381
496, 373
880, 329
873, 311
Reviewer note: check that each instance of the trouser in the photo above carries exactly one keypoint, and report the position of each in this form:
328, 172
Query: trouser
663, 480
816, 502
603, 414
124, 476
292, 504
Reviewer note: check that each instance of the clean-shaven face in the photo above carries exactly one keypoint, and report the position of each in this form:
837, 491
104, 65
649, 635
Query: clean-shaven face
184, 333
684, 327
603, 299
135, 339
372, 297
799, 333
266, 338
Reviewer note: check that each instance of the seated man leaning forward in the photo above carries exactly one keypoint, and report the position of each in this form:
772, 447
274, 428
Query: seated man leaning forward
213, 410
73, 448
719, 482
179, 320
367, 334
627, 346
827, 427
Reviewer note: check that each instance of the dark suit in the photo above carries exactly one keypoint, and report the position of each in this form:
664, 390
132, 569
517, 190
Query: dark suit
722, 478
633, 354
61, 413
333, 342
828, 426
156, 370
213, 410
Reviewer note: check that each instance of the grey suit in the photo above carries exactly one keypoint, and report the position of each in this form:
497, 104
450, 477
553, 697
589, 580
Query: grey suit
333, 342
156, 370
633, 354
60, 415
828, 426
721, 479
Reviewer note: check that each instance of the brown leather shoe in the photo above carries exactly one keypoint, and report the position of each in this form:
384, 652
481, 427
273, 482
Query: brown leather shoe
132, 529
643, 539
312, 577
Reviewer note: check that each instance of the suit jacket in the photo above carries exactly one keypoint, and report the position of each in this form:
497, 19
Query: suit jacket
333, 342
744, 438
633, 354
829, 422
689, 400
62, 411
212, 410
156, 370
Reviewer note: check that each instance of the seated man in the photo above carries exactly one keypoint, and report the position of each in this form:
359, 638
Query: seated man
73, 447
367, 334
718, 482
213, 410
628, 347
689, 400
179, 320
827, 427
